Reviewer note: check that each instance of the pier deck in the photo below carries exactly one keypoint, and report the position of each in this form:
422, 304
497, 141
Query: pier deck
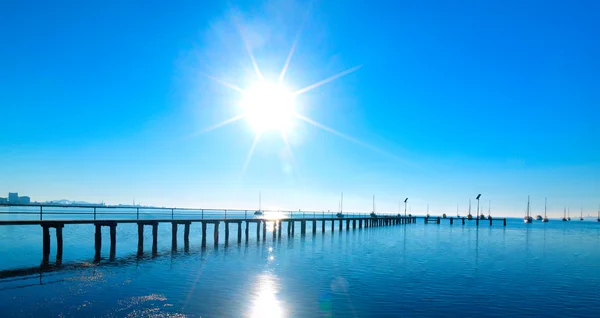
57, 216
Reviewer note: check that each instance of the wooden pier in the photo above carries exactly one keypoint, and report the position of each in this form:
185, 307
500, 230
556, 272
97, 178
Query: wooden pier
243, 226
57, 217
438, 220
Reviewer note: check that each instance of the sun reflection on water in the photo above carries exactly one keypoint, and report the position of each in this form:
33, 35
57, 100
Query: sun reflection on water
265, 302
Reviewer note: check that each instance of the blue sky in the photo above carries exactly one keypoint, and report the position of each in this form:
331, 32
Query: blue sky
104, 102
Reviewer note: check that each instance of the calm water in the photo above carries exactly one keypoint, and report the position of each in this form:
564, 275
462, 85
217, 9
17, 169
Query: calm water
549, 270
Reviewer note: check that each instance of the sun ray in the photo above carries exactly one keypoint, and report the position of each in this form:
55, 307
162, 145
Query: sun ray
293, 48
254, 63
221, 124
288, 59
250, 153
226, 84
327, 80
354, 140
238, 27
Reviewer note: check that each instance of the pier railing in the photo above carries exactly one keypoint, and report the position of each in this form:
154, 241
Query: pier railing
55, 212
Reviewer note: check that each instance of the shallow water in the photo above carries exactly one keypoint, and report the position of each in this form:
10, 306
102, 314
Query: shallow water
550, 270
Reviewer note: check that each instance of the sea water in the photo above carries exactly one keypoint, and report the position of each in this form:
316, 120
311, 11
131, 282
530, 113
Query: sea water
414, 270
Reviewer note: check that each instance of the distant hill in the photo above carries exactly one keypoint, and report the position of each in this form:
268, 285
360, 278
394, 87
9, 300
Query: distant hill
69, 202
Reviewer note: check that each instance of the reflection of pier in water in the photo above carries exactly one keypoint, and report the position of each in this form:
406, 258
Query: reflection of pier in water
276, 221
44, 271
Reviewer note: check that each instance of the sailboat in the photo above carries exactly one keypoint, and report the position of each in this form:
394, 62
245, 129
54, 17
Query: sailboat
457, 214
340, 214
469, 217
373, 215
489, 210
581, 216
528, 218
565, 215
568, 214
428, 210
480, 214
545, 219
259, 211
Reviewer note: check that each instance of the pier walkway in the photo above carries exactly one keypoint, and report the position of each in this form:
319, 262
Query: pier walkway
57, 216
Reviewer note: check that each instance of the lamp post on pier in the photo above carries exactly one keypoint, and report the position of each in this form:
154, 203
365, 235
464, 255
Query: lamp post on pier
478, 215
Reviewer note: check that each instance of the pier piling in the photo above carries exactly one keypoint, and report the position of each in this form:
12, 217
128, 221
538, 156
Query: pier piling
98, 242
45, 244
154, 238
113, 240
264, 230
59, 243
203, 234
239, 232
226, 233
140, 250
216, 233
247, 230
173, 236
186, 236
258, 231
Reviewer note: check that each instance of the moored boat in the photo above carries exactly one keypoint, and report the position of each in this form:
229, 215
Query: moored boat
528, 218
545, 219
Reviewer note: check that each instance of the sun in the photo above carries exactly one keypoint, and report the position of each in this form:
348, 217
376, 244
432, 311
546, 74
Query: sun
268, 107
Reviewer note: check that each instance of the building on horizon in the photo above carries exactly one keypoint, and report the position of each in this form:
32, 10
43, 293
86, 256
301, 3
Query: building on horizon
13, 197
24, 200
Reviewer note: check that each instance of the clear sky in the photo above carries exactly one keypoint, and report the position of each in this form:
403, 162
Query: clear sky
106, 101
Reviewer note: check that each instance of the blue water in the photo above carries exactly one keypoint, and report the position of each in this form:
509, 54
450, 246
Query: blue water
549, 270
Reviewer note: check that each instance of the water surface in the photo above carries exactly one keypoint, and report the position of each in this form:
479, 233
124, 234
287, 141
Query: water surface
424, 270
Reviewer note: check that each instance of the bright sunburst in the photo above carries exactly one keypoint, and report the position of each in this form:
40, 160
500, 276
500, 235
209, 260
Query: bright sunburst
268, 106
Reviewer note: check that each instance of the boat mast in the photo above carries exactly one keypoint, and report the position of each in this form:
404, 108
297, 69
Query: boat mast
545, 206
527, 206
342, 203
489, 207
373, 203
